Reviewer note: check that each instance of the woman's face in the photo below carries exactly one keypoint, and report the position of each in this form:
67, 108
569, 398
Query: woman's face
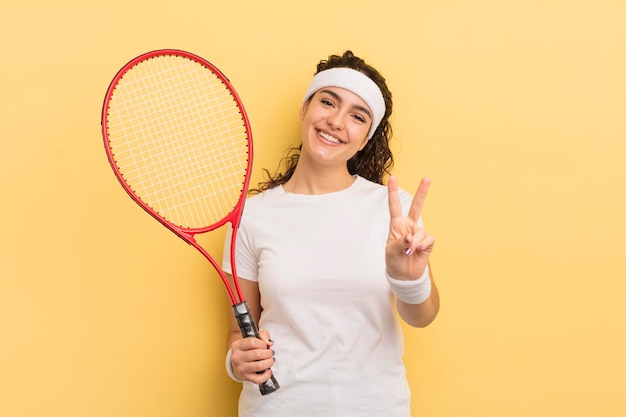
335, 124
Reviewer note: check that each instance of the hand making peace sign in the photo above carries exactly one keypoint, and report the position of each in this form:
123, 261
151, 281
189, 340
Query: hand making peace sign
408, 245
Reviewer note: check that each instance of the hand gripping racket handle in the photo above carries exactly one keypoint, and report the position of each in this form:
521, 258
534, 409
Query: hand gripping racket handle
248, 329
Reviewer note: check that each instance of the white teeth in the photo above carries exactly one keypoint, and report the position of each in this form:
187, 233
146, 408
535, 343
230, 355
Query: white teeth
329, 138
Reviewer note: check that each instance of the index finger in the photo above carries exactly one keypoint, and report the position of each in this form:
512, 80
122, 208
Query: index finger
418, 201
251, 343
395, 207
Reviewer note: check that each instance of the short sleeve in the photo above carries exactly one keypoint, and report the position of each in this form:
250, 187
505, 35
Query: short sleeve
246, 263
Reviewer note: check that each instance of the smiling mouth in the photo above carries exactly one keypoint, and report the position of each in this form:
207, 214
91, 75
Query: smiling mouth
329, 138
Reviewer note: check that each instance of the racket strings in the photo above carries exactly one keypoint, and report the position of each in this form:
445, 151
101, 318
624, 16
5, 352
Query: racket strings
179, 140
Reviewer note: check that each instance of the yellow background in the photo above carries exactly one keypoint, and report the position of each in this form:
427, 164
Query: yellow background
515, 109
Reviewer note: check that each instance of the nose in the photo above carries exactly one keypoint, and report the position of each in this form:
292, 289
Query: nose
335, 121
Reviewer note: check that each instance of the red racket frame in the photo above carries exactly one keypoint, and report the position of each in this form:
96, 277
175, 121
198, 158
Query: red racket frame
188, 234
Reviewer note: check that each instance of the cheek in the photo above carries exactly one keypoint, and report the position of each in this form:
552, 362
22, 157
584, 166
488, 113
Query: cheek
363, 144
361, 132
305, 128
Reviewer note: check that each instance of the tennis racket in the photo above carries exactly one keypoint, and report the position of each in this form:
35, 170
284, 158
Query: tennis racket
179, 141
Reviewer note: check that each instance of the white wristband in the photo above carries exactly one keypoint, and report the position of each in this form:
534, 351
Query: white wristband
229, 366
411, 291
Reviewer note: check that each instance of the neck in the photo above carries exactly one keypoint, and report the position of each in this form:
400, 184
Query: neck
306, 181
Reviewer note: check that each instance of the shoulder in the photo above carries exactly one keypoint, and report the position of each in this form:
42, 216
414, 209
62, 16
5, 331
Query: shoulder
380, 191
365, 186
265, 197
262, 207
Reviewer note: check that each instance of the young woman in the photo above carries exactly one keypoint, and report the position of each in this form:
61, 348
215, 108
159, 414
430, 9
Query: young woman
325, 252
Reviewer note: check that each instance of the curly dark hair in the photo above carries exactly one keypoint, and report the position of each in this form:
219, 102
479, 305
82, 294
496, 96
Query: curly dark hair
375, 160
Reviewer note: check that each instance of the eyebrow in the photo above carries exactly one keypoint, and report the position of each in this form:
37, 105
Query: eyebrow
356, 106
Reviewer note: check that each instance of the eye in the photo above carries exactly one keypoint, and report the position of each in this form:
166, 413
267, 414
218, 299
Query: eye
326, 102
359, 118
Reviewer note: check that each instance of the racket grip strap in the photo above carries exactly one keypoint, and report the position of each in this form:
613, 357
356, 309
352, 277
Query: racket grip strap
248, 328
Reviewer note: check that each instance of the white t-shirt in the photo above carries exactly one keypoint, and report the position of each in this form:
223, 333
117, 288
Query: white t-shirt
319, 261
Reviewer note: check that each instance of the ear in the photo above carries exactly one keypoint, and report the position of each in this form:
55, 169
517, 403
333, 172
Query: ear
303, 109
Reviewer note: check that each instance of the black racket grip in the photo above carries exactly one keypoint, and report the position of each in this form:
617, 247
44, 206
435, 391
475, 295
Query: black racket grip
248, 329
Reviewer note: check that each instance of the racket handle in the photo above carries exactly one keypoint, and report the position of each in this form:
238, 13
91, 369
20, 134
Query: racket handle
248, 328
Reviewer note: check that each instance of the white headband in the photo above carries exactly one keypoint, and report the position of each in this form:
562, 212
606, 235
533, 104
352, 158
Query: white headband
356, 82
